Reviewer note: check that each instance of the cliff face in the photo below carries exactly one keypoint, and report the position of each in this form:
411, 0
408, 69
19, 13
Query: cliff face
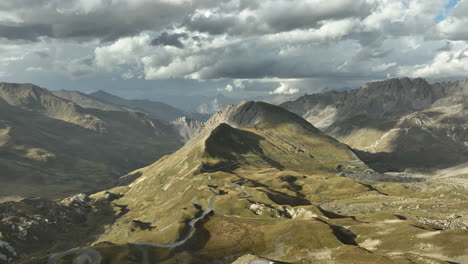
401, 120
375, 100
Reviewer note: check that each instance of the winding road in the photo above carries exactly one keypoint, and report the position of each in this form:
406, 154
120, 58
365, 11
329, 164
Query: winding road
94, 257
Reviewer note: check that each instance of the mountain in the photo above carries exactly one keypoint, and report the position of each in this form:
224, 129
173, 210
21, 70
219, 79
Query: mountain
257, 184
204, 105
396, 124
52, 147
87, 101
275, 99
158, 110
187, 127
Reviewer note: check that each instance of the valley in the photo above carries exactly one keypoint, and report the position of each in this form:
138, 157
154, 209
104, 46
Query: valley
259, 184
233, 132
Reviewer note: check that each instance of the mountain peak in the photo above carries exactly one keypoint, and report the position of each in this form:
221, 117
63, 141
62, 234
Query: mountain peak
101, 93
250, 113
398, 83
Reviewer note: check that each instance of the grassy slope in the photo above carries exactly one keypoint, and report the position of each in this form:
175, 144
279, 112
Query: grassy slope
299, 211
51, 147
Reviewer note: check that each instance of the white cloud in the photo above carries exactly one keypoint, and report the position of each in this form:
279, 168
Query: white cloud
228, 88
446, 64
284, 89
454, 27
124, 51
34, 69
305, 44
383, 66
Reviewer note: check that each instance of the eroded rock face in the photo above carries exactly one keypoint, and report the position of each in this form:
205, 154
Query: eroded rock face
374, 100
187, 127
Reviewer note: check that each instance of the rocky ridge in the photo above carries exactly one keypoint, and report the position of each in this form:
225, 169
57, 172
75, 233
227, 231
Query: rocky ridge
395, 123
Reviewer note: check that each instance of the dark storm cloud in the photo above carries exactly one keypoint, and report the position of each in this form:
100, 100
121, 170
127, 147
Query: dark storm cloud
212, 25
301, 14
42, 54
267, 17
278, 40
110, 20
167, 39
85, 20
24, 32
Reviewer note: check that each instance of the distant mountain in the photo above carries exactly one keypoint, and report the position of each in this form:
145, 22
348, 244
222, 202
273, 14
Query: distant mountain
87, 101
158, 110
52, 147
257, 184
397, 124
200, 104
275, 99
253, 144
187, 127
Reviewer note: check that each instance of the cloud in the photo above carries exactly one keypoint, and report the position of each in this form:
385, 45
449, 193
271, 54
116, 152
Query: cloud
453, 27
284, 89
125, 51
238, 40
268, 16
446, 64
229, 88
384, 66
87, 19
247, 46
34, 69
80, 67
166, 39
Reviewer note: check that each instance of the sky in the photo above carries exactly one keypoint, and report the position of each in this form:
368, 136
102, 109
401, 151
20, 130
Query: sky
241, 48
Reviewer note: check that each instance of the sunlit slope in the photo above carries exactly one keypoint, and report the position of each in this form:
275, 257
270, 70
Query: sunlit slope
395, 124
286, 167
262, 182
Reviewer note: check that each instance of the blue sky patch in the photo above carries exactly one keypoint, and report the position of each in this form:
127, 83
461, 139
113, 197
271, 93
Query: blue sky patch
443, 14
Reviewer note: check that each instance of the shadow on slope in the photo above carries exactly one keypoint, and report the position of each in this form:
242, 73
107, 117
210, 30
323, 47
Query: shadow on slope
234, 146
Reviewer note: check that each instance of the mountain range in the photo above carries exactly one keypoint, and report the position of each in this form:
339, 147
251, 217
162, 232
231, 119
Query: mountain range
397, 124
155, 109
256, 183
53, 147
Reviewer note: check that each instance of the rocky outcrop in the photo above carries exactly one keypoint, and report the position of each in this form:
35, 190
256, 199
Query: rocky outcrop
27, 225
187, 127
